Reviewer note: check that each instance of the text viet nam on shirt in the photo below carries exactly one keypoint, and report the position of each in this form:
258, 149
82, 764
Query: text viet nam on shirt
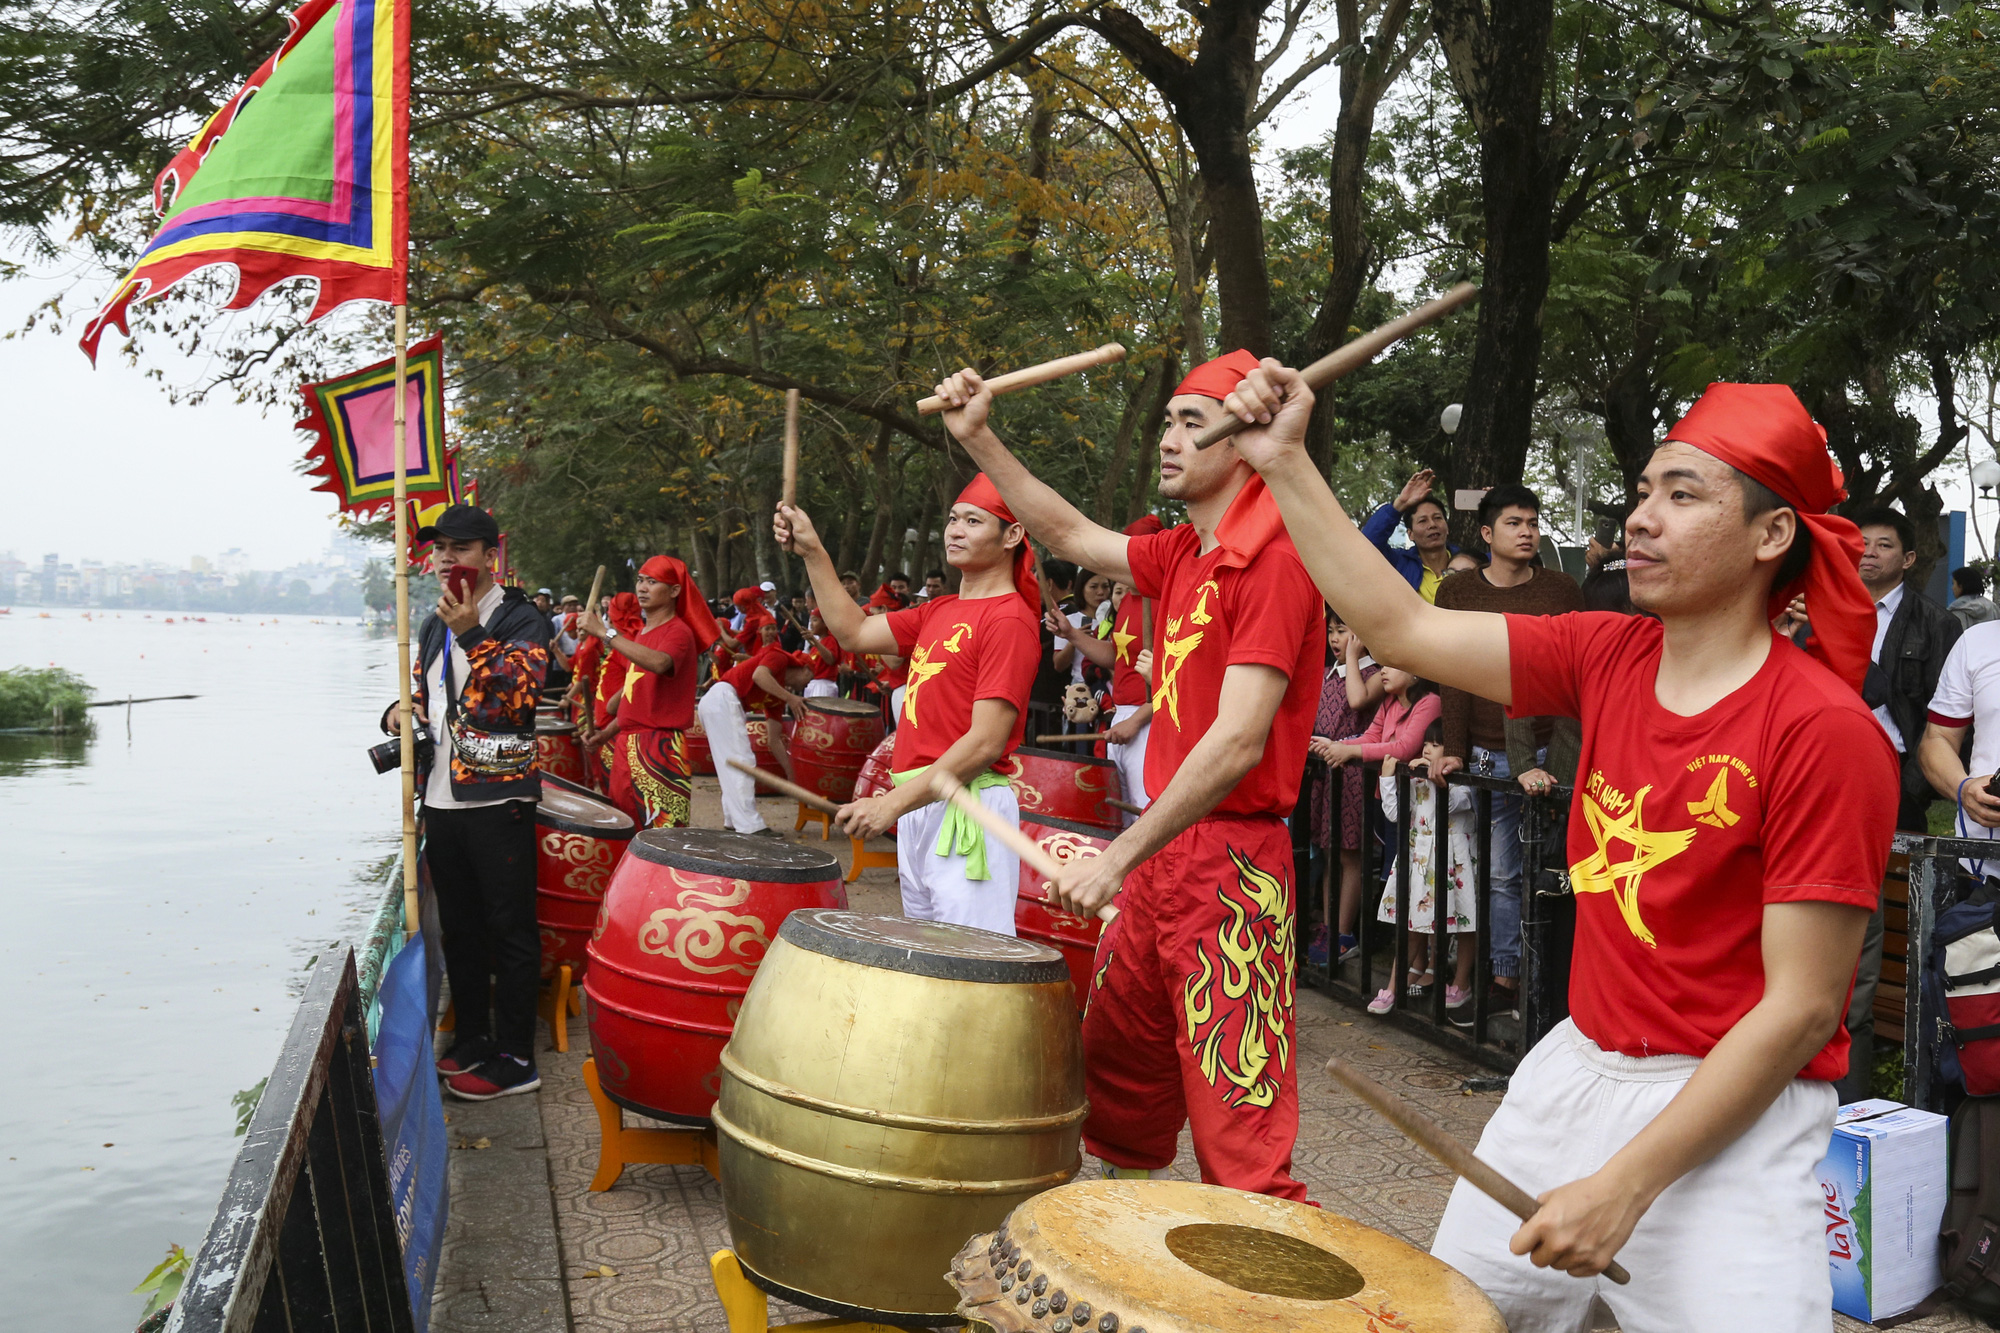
1684, 828
1210, 616
958, 652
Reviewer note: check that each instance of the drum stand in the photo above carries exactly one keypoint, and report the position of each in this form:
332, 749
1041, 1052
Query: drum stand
620, 1146
561, 1000
808, 815
867, 860
749, 1310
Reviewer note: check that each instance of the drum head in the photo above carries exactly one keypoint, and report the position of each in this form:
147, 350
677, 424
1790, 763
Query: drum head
925, 948
546, 725
1170, 1257
844, 707
713, 851
1063, 756
575, 811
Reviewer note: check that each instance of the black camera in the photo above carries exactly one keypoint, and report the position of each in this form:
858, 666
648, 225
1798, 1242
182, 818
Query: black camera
388, 756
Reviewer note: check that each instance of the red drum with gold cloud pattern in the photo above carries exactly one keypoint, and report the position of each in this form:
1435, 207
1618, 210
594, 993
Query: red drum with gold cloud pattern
1068, 786
686, 921
760, 744
1037, 919
700, 761
557, 749
831, 743
579, 840
874, 777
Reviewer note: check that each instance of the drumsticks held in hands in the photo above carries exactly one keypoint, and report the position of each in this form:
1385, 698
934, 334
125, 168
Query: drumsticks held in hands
1440, 1143
949, 788
791, 490
786, 788
1350, 357
1071, 738
1106, 355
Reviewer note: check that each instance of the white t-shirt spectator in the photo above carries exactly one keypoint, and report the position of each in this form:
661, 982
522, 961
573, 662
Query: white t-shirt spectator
1968, 693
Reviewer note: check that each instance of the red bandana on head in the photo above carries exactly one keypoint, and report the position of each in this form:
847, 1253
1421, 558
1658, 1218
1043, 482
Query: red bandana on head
625, 615
982, 493
885, 597
1253, 518
1765, 432
667, 569
1145, 526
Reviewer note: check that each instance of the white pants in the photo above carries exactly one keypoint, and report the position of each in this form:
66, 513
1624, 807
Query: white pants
1131, 761
896, 704
935, 887
1734, 1244
822, 689
721, 713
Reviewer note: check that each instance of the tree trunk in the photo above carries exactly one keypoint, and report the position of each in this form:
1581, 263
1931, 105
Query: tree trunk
1499, 65
1130, 422
878, 532
1145, 462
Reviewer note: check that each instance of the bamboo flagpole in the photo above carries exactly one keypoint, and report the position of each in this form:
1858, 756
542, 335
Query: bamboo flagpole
411, 909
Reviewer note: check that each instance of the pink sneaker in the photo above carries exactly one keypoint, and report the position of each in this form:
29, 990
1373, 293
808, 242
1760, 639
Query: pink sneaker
1457, 997
1384, 1001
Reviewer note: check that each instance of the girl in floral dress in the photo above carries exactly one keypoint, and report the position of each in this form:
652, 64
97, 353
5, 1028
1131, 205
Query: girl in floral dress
1347, 701
1461, 871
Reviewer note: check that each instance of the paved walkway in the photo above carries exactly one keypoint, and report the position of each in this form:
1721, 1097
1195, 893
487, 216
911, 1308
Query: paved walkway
636, 1256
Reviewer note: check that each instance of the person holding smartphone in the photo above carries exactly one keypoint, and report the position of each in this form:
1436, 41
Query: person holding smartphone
483, 655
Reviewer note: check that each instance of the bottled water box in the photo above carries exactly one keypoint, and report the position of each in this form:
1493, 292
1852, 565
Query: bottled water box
1883, 1184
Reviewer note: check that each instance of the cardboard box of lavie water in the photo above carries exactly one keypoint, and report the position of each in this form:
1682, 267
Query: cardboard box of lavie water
1883, 1184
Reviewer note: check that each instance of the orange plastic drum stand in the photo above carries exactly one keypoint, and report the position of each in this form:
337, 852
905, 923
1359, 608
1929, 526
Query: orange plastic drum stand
749, 1310
561, 1001
620, 1146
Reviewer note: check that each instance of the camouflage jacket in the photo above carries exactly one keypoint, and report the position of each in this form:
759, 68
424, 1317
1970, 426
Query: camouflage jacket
494, 759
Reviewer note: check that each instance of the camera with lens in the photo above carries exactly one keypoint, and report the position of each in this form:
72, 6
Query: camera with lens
388, 756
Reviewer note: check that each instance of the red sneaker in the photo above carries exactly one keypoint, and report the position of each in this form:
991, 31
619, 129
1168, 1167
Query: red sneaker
501, 1076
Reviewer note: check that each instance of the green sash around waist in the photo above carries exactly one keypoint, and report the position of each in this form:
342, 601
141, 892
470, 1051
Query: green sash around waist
960, 834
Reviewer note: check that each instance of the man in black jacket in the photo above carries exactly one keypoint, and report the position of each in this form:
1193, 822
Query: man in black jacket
478, 677
1913, 636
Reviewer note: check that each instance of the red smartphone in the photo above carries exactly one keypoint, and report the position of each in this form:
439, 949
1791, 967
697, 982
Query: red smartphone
460, 578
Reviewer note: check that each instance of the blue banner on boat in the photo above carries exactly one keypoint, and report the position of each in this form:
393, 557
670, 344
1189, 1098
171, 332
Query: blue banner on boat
413, 1133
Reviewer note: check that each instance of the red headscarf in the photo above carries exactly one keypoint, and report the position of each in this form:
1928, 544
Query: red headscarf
982, 493
626, 617
1145, 526
1253, 518
1216, 379
885, 597
667, 569
1765, 432
746, 599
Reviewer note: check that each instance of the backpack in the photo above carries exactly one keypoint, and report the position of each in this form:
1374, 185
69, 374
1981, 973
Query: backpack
1962, 982
1970, 1233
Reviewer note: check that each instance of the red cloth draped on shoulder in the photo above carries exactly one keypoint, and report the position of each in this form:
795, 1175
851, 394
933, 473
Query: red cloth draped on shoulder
981, 492
690, 607
1765, 432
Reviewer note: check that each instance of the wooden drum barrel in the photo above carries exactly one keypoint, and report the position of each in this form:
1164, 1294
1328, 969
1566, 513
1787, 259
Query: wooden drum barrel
1166, 1256
1068, 786
1037, 919
700, 761
579, 840
685, 923
893, 1086
557, 749
873, 778
831, 743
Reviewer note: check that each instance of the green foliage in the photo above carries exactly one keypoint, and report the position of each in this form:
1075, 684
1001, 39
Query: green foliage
43, 697
163, 1284
245, 1104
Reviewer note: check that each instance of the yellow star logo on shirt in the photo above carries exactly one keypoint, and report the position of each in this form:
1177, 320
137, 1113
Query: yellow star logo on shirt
1713, 809
1174, 654
1599, 873
922, 668
1122, 643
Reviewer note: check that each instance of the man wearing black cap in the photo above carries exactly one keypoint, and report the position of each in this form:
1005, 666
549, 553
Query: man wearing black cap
482, 659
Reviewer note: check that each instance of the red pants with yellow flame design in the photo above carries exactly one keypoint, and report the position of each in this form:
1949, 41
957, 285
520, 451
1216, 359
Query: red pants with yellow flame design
1190, 1016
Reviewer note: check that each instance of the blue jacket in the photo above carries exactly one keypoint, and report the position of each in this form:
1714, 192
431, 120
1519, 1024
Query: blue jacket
1381, 525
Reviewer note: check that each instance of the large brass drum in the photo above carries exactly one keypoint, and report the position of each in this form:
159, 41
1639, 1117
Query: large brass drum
1166, 1256
892, 1087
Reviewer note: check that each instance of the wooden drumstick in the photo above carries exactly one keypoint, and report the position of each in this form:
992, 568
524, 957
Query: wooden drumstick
951, 789
1071, 737
785, 787
1350, 357
1126, 806
1440, 1143
791, 448
1106, 355
596, 587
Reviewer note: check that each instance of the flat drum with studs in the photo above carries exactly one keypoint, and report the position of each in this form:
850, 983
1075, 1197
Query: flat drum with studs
1122, 1256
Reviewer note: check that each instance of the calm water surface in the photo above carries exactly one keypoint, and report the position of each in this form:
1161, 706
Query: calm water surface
163, 893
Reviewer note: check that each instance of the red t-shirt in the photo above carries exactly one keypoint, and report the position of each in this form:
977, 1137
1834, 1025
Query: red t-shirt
772, 657
826, 657
1785, 791
664, 703
610, 685
1209, 617
1127, 628
959, 652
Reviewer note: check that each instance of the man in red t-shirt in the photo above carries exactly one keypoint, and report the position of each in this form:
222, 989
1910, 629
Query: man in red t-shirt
1190, 1015
650, 775
766, 683
970, 660
1734, 808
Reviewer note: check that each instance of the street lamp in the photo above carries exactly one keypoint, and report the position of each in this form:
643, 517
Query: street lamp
1986, 476
1449, 418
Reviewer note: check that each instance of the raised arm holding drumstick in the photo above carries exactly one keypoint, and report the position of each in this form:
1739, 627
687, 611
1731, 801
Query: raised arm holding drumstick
972, 658
1239, 641
1734, 807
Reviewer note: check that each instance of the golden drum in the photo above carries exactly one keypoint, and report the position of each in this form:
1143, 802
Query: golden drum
892, 1087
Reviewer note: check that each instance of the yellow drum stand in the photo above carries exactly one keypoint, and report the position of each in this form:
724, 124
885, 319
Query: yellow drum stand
749, 1310
620, 1146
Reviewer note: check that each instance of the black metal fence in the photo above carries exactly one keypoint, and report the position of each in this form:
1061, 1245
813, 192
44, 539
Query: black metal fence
304, 1237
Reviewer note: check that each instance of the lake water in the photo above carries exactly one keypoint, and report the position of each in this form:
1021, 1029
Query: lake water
163, 894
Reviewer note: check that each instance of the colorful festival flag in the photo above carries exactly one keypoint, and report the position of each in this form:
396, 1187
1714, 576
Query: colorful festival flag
303, 173
352, 422
425, 510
